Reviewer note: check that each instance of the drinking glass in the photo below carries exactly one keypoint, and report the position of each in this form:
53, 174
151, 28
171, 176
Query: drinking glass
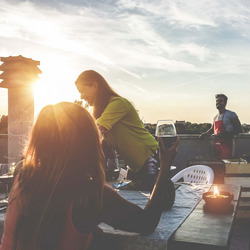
167, 131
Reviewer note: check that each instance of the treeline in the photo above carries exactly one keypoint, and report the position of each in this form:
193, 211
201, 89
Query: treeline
246, 128
198, 128
183, 127
192, 128
4, 124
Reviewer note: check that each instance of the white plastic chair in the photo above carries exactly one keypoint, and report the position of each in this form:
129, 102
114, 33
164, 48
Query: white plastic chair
195, 174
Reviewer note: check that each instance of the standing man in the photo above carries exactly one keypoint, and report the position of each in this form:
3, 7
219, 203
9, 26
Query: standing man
226, 124
121, 127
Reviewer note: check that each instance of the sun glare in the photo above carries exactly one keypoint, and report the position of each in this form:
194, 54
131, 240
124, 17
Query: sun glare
53, 88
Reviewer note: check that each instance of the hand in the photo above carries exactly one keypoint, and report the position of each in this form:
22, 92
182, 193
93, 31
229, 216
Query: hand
167, 155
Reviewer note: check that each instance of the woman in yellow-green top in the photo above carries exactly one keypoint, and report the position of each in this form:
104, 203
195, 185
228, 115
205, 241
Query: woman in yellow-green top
120, 126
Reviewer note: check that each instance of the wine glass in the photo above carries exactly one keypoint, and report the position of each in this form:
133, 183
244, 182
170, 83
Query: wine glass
167, 131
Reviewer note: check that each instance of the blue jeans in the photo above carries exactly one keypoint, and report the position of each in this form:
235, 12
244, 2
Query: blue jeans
145, 178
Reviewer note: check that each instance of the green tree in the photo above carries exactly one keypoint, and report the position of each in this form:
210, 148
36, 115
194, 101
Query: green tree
191, 128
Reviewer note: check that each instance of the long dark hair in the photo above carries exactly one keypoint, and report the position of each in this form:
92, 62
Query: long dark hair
104, 91
63, 160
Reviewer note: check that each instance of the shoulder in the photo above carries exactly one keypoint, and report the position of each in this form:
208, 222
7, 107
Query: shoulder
108, 191
216, 117
118, 101
231, 114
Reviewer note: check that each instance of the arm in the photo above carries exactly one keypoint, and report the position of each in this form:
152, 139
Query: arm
236, 130
113, 113
207, 133
107, 150
127, 216
237, 126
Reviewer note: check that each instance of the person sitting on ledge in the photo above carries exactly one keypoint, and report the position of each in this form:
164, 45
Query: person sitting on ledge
59, 195
121, 128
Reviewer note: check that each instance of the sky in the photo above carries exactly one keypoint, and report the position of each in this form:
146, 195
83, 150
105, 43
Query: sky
169, 57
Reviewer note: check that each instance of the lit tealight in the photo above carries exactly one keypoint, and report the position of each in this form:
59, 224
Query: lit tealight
216, 201
216, 194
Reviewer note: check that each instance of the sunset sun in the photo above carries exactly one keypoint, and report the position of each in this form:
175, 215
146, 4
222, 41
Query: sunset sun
55, 85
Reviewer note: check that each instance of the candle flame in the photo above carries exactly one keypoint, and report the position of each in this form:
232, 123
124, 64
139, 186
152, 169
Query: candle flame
216, 191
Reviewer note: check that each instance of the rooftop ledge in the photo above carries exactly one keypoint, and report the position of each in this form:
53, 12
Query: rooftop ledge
188, 136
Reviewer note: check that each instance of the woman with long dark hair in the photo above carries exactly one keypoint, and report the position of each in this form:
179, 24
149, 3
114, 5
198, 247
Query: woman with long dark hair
121, 127
59, 195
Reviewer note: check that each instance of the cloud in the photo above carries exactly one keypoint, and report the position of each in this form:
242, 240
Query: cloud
199, 13
160, 46
84, 31
130, 35
133, 86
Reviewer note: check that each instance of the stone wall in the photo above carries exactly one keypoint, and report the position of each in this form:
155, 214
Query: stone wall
192, 147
